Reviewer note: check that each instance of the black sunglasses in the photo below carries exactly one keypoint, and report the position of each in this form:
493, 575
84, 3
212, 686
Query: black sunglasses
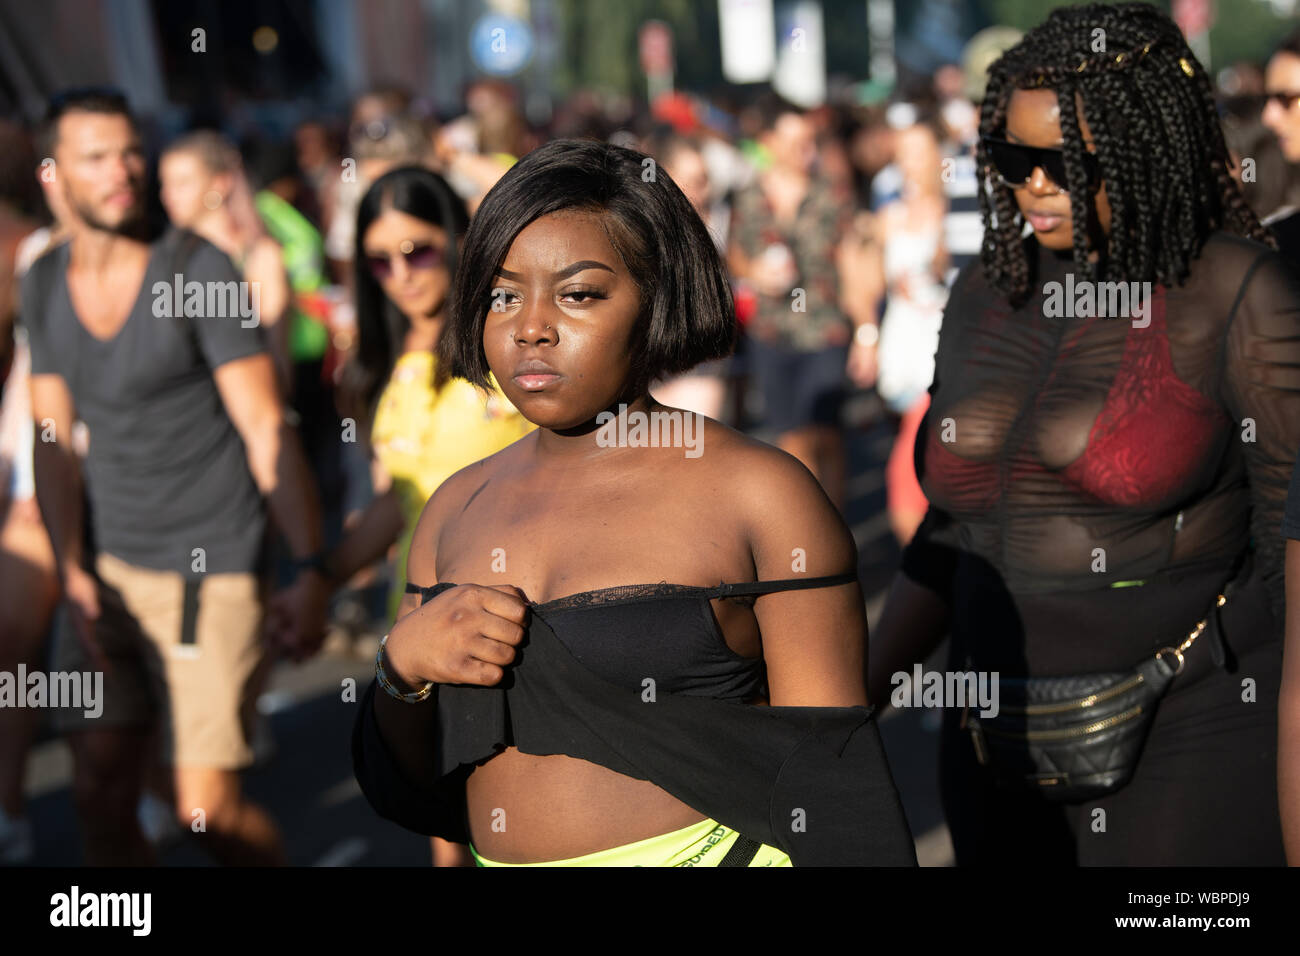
1284, 100
1015, 163
417, 256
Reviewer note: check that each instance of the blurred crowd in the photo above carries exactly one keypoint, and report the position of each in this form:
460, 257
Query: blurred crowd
842, 227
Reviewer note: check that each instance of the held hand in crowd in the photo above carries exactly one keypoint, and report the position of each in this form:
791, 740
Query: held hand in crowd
296, 616
466, 635
82, 592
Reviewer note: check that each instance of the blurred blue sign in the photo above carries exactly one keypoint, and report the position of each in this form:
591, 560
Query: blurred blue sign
500, 45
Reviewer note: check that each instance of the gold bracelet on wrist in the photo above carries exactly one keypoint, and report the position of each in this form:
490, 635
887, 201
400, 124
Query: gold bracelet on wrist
412, 698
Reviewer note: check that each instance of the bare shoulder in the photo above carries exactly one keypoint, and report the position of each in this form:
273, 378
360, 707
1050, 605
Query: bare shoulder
778, 501
753, 466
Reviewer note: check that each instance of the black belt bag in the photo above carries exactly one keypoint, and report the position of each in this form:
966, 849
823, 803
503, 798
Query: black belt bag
1077, 738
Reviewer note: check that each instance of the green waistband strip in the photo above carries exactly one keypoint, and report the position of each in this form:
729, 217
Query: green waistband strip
700, 844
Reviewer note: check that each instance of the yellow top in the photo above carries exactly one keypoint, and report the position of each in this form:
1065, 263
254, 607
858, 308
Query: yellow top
422, 438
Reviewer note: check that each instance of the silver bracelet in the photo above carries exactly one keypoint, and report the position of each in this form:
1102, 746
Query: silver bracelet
412, 698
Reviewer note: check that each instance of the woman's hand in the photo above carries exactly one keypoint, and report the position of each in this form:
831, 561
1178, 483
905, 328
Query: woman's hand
466, 635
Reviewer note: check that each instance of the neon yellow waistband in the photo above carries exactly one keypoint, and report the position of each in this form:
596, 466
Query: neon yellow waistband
700, 844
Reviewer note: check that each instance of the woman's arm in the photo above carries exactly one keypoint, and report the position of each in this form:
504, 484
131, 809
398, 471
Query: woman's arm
913, 622
1261, 390
409, 731
814, 640
393, 742
373, 534
862, 288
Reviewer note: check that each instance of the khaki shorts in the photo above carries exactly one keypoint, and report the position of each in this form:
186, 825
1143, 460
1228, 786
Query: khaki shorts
187, 655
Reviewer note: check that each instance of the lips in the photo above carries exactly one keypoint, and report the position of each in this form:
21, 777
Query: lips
1043, 221
535, 375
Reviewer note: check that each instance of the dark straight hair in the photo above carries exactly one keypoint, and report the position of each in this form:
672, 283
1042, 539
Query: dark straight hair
687, 315
381, 326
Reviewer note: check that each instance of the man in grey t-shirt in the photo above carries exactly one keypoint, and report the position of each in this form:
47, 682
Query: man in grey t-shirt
156, 348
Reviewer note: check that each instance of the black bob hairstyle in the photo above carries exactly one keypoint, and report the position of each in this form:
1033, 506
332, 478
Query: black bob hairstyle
421, 193
687, 315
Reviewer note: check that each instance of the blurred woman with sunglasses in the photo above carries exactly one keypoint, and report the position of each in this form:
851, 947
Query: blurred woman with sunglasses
1101, 468
422, 425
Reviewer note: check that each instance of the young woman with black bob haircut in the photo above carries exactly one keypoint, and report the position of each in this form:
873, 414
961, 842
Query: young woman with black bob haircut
1103, 462
537, 697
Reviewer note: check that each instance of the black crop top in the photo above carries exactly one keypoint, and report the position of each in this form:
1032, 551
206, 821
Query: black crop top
757, 769
663, 632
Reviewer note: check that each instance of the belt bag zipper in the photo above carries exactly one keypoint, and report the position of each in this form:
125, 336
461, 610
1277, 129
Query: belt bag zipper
1068, 732
1080, 703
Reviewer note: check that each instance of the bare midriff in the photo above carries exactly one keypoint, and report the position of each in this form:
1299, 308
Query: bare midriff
529, 809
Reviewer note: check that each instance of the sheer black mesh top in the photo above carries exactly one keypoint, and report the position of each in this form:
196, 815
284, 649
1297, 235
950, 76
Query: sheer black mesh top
1066, 449
665, 633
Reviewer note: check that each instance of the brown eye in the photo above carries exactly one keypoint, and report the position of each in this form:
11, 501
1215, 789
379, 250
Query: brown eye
583, 294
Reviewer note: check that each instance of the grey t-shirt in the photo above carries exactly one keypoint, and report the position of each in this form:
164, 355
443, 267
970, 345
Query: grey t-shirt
166, 471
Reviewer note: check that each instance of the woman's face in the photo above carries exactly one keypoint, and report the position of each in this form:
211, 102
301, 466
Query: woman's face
185, 182
559, 330
408, 258
1283, 76
1034, 119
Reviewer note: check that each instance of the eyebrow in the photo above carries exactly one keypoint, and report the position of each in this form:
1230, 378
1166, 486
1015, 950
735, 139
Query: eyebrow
562, 273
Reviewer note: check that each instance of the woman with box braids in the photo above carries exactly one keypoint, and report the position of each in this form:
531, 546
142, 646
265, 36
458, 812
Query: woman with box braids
1158, 144
1114, 416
